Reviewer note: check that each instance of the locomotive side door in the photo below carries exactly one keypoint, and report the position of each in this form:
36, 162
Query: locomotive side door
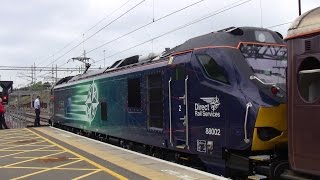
178, 106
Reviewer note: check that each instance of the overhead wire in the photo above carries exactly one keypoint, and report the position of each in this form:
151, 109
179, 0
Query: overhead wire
107, 16
57, 59
261, 24
114, 20
74, 47
226, 8
71, 42
145, 25
273, 26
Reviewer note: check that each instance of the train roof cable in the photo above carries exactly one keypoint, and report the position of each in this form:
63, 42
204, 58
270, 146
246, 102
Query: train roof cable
100, 21
225, 8
96, 32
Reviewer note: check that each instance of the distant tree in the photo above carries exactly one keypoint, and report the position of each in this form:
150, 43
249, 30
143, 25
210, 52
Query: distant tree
46, 85
37, 86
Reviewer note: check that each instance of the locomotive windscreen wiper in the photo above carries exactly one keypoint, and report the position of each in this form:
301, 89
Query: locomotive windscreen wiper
252, 77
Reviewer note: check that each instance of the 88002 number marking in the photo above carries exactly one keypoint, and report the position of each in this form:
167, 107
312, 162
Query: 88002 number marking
213, 131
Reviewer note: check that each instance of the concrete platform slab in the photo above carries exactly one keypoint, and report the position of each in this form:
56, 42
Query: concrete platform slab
149, 167
38, 157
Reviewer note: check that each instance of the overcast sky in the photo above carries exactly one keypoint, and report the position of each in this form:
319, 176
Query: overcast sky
37, 31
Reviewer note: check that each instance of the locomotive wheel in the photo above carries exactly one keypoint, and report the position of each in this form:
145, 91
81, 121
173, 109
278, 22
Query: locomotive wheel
278, 168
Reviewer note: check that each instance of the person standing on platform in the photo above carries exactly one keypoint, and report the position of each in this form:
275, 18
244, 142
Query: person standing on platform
2, 120
36, 106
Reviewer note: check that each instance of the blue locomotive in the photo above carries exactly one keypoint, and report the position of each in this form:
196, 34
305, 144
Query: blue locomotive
217, 100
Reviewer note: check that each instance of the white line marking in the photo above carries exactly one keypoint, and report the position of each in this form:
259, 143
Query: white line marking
146, 156
65, 135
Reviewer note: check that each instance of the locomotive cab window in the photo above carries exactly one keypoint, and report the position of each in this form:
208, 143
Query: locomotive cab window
212, 69
134, 96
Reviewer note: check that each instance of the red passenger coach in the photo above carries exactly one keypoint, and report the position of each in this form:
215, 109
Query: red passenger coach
304, 92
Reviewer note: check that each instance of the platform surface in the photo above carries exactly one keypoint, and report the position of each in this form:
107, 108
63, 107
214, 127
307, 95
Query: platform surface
50, 153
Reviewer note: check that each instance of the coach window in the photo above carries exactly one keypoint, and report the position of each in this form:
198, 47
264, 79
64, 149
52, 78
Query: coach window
309, 79
134, 96
212, 69
104, 111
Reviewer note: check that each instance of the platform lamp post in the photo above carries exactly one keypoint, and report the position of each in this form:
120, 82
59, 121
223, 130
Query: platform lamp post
104, 58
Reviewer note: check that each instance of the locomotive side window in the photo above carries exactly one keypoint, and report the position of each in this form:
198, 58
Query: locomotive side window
180, 72
155, 101
104, 111
134, 96
309, 79
213, 70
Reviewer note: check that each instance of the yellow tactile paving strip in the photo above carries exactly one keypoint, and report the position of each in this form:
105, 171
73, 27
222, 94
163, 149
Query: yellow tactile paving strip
29, 154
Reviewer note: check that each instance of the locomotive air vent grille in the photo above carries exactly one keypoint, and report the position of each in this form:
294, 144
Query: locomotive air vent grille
307, 45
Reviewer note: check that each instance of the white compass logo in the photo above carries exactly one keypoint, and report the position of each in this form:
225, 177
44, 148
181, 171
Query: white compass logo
92, 102
213, 101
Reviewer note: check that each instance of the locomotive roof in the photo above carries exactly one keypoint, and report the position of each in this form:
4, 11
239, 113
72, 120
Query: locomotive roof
227, 37
307, 23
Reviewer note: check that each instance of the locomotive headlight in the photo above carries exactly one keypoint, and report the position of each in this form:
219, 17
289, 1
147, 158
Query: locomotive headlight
267, 133
264, 37
261, 37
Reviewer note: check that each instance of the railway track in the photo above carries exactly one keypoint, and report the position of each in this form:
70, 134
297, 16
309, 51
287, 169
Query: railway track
44, 119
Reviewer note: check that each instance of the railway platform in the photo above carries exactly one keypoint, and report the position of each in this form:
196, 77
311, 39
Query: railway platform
50, 153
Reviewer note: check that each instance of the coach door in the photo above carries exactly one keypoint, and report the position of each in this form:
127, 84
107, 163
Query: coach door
178, 106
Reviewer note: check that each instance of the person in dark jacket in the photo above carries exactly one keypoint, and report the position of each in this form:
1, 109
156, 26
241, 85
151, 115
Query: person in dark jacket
2, 120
